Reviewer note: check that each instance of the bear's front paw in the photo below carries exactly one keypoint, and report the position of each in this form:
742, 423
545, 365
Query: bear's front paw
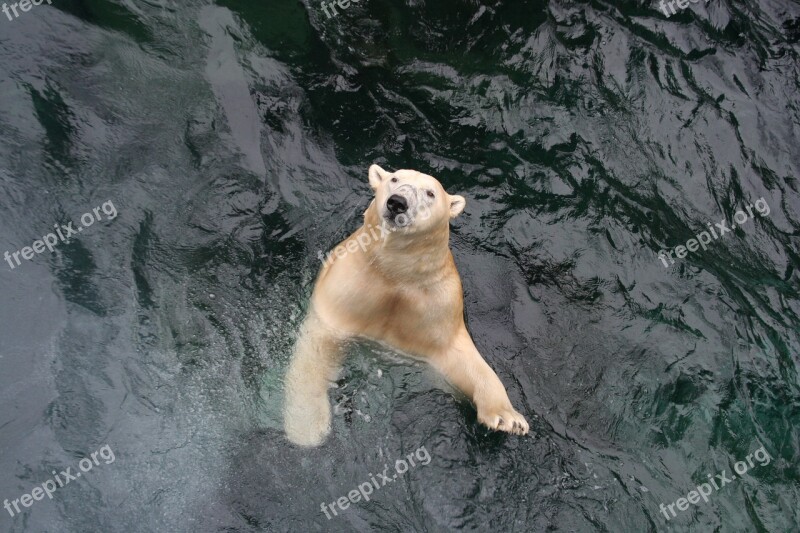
503, 419
307, 421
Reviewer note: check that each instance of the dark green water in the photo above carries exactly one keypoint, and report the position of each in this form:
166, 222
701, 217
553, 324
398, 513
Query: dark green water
233, 139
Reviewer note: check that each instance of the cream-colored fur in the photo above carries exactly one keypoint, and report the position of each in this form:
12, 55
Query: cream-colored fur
401, 289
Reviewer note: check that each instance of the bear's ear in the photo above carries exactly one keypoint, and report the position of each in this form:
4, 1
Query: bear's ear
457, 205
376, 176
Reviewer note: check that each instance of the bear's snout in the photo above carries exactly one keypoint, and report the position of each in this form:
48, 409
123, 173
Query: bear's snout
396, 205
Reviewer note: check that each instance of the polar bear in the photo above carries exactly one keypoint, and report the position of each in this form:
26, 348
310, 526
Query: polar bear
398, 286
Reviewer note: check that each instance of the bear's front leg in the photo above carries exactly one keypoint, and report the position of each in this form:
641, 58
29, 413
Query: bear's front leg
316, 360
463, 366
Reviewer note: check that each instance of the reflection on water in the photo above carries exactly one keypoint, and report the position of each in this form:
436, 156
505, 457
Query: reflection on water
233, 139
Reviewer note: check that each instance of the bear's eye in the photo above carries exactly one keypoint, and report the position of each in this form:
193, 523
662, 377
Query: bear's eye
394, 180
429, 193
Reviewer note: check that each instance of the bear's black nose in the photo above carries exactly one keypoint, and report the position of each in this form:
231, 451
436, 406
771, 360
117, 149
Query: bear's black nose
396, 204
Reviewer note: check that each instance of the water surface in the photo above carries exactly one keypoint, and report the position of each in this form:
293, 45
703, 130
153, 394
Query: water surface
234, 139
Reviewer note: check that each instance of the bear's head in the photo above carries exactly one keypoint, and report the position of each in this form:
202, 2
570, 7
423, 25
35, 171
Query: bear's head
412, 202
